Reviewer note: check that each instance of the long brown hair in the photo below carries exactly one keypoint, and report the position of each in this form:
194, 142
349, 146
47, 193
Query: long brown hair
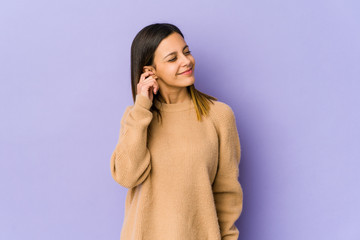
143, 50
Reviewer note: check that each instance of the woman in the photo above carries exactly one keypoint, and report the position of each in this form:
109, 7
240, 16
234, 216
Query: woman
180, 167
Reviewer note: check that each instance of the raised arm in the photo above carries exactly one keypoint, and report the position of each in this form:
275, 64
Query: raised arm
228, 194
130, 162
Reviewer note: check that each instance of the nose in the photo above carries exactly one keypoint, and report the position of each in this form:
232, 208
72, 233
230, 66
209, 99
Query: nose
185, 60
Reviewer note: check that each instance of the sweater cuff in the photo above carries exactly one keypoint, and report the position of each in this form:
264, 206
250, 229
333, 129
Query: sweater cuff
143, 101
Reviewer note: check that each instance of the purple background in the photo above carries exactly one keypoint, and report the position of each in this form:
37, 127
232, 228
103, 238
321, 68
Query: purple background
289, 69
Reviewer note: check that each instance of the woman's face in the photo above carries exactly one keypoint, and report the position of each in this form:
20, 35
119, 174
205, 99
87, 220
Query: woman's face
172, 57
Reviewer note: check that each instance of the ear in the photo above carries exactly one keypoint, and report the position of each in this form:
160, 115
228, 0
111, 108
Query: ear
149, 68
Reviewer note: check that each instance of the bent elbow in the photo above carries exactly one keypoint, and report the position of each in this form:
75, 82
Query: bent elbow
126, 175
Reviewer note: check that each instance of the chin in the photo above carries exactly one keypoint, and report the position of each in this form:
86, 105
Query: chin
190, 81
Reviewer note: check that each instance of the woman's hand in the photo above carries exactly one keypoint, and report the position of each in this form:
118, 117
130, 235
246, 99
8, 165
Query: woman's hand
148, 86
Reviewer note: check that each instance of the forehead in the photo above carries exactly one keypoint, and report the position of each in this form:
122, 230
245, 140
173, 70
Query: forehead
173, 42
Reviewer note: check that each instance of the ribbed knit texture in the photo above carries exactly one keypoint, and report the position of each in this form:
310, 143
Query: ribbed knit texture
182, 179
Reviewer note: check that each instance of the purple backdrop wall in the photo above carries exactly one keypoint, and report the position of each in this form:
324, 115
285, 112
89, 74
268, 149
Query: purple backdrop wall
289, 69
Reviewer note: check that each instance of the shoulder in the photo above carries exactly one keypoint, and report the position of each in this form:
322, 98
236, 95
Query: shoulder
221, 112
222, 116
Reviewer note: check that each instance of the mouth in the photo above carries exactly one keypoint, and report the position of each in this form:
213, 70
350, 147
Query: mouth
188, 71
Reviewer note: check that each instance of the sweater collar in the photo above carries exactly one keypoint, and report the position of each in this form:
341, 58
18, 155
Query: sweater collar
175, 107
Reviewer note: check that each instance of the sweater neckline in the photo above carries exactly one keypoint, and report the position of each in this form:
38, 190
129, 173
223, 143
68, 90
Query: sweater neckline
175, 107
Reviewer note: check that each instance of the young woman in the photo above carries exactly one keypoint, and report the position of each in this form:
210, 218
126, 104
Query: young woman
178, 150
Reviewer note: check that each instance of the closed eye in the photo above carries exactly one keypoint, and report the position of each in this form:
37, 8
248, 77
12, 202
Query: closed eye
172, 60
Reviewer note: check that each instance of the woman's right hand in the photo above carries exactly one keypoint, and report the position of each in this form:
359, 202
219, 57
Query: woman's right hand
148, 86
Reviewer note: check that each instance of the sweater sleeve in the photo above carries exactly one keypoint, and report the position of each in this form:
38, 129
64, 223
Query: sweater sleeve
228, 194
130, 161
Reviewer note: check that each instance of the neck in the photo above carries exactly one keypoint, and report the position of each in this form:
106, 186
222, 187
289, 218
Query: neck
175, 97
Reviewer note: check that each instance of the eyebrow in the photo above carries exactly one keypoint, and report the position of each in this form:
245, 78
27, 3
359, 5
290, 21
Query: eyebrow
174, 52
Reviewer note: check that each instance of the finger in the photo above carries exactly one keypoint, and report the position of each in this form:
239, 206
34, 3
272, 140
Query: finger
149, 79
144, 75
148, 83
151, 82
156, 86
152, 86
148, 73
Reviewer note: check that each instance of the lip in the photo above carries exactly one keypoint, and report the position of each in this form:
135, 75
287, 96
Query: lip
187, 72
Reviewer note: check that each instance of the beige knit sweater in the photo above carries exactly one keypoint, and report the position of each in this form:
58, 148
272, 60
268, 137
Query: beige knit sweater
182, 179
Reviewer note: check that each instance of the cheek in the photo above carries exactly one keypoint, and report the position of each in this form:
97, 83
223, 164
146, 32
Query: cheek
171, 71
167, 72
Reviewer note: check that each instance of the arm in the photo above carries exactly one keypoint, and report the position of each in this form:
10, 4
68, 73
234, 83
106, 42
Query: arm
228, 194
130, 162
